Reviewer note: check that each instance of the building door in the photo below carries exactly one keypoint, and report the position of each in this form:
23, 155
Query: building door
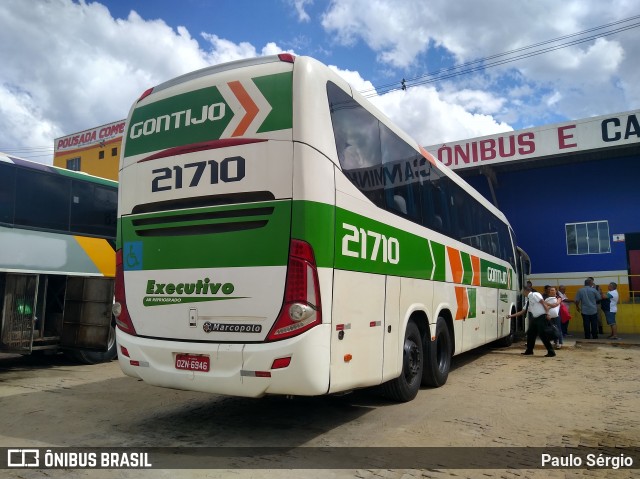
632, 240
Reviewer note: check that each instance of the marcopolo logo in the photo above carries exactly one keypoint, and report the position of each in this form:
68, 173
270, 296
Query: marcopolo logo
203, 290
209, 327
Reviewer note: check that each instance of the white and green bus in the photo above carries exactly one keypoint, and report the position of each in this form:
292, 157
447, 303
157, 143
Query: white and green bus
277, 234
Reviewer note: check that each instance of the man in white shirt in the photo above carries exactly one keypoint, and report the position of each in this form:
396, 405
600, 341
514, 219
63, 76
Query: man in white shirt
538, 320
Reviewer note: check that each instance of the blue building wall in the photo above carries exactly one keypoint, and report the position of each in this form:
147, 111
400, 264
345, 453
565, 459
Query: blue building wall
539, 201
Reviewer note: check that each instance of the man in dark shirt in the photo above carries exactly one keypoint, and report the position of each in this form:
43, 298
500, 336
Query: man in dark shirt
586, 304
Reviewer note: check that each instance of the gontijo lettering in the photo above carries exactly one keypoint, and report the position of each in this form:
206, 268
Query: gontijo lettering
497, 276
177, 119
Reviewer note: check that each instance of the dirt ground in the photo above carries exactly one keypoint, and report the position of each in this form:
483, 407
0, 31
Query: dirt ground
586, 396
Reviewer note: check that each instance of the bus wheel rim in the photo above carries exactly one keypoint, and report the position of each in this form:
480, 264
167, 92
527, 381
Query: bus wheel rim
411, 360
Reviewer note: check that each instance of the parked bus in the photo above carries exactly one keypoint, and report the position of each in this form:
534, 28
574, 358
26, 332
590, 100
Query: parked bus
277, 234
57, 261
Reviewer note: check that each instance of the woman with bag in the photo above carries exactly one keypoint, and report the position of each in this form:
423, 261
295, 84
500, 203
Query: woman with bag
565, 315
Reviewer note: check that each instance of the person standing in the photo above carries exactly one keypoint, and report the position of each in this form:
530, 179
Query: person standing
554, 301
610, 315
566, 302
586, 305
600, 312
538, 318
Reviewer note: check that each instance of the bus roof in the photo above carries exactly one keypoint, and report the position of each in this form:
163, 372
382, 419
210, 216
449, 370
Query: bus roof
33, 165
222, 68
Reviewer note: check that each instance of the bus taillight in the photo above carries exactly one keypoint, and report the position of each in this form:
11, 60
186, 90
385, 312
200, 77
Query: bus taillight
120, 311
286, 57
145, 94
301, 310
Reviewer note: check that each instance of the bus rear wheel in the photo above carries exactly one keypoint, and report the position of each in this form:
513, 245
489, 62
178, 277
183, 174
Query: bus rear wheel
85, 356
438, 357
405, 387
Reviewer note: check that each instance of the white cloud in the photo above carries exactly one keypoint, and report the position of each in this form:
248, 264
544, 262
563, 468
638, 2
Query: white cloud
389, 28
430, 119
355, 80
474, 100
300, 5
71, 66
226, 51
594, 77
68, 66
22, 117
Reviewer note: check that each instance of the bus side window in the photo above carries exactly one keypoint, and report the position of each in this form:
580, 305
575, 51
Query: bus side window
441, 203
42, 200
400, 171
357, 138
92, 209
7, 193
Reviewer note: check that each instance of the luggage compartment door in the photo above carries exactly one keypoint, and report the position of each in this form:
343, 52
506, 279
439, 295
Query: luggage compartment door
87, 313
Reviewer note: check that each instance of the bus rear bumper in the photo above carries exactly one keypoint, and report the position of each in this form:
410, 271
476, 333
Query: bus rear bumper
235, 369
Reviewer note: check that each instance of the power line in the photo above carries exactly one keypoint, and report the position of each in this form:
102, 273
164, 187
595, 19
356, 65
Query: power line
462, 69
29, 152
27, 149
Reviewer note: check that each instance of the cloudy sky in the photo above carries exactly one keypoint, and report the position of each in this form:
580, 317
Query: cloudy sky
71, 65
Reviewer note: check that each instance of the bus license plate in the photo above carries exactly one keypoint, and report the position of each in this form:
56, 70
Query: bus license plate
192, 362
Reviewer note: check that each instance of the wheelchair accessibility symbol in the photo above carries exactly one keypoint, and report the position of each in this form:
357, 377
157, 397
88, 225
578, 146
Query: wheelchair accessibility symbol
132, 255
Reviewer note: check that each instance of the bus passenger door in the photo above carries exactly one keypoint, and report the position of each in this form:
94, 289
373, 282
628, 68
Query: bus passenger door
357, 330
391, 330
19, 300
490, 313
504, 323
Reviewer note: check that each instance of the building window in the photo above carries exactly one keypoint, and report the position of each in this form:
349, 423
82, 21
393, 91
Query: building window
588, 238
101, 155
114, 151
73, 164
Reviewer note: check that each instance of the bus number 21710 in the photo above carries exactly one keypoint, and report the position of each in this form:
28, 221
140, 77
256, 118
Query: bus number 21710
387, 249
228, 170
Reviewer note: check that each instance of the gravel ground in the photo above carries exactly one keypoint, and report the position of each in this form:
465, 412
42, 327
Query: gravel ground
587, 396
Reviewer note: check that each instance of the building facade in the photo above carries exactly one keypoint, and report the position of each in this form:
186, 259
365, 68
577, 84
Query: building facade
95, 151
571, 192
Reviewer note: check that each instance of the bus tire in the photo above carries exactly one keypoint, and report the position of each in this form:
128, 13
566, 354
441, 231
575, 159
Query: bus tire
405, 387
438, 357
86, 356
